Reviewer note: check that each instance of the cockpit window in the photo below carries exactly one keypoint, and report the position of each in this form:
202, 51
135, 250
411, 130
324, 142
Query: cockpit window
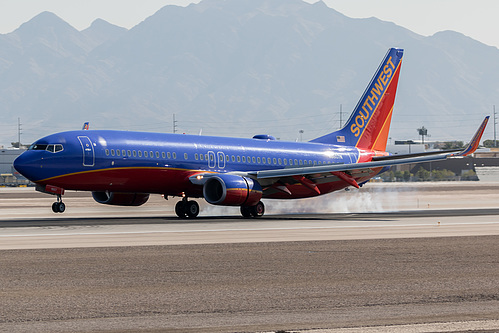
51, 148
38, 146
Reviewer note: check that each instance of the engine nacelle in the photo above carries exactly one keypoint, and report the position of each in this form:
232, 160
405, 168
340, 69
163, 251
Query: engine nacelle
232, 190
120, 199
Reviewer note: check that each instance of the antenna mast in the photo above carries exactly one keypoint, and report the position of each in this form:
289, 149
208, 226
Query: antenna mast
495, 123
18, 132
174, 124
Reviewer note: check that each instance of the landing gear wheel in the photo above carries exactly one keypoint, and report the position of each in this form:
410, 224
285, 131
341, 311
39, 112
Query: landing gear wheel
58, 207
192, 209
62, 207
246, 211
180, 210
257, 210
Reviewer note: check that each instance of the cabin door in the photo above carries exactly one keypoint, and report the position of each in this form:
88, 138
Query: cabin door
88, 151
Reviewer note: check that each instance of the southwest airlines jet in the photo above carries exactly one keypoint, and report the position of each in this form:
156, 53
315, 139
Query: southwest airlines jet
124, 168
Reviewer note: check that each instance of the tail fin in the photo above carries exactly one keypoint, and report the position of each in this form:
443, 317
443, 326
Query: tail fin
369, 124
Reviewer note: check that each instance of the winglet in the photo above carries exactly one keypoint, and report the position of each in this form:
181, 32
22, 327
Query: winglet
86, 126
473, 145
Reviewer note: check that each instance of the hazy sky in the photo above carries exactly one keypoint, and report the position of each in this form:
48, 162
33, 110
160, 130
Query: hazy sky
477, 19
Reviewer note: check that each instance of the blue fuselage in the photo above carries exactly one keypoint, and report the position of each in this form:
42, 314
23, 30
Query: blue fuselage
161, 163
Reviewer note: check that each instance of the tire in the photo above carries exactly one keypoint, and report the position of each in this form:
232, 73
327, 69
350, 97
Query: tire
192, 209
61, 207
180, 209
257, 210
55, 207
246, 211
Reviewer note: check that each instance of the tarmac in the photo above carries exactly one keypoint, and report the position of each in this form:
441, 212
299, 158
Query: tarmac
387, 258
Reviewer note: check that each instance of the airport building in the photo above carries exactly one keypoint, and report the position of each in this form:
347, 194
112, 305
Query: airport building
8, 175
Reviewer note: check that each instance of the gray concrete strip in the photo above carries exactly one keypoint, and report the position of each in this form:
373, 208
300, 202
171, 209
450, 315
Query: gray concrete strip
460, 326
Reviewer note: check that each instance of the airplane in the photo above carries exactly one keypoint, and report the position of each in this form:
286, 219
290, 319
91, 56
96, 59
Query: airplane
124, 168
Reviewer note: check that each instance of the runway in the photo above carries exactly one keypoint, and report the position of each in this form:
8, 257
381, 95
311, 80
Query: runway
99, 269
141, 231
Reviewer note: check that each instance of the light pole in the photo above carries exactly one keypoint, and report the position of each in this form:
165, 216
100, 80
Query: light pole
423, 132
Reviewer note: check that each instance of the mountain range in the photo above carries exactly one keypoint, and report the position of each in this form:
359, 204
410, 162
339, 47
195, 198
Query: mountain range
238, 67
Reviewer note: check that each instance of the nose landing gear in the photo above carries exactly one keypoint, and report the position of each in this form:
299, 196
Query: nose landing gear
58, 206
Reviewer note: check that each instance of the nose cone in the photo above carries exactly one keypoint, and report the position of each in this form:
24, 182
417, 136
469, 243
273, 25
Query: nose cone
28, 165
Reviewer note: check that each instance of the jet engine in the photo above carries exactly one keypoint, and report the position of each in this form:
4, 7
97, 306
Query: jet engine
120, 199
232, 190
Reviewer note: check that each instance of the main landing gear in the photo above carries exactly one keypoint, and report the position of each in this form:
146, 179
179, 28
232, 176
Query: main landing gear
190, 209
253, 211
187, 208
58, 206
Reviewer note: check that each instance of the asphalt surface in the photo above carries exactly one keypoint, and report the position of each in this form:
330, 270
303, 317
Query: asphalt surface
60, 220
250, 287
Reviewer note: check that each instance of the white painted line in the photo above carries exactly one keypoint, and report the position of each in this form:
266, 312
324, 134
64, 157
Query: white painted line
247, 229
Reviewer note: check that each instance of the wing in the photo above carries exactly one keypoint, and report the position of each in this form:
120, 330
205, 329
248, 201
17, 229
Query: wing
310, 177
307, 181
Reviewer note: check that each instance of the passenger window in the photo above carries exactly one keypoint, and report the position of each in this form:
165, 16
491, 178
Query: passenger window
274, 160
290, 162
258, 159
146, 154
253, 159
140, 153
157, 154
268, 160
201, 156
123, 153
285, 161
301, 162
129, 153
112, 152
280, 161
264, 160
196, 156
134, 153
163, 155
118, 152
151, 154
296, 161
233, 158
244, 159
238, 159
107, 152
168, 155
174, 156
